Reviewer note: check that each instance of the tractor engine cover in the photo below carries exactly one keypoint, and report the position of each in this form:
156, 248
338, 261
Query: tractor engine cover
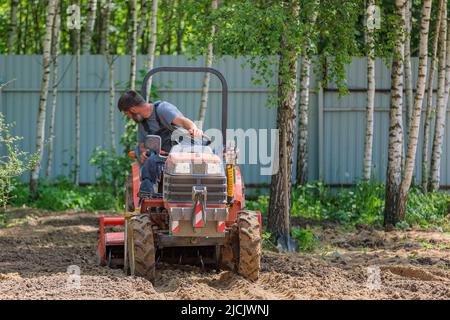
195, 190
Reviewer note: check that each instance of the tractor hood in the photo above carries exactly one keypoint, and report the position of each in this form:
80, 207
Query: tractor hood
194, 160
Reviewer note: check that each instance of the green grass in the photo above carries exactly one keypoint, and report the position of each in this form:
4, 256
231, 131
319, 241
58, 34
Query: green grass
362, 204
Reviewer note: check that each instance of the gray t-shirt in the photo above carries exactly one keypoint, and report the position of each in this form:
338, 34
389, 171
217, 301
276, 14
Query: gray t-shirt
167, 112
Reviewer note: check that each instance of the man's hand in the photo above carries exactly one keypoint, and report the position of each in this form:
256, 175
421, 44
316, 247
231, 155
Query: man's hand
196, 132
188, 125
142, 153
143, 156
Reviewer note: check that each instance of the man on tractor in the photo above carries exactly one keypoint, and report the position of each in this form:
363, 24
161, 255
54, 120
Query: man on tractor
154, 118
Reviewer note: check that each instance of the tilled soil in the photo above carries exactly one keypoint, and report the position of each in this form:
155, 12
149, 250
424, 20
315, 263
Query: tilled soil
364, 264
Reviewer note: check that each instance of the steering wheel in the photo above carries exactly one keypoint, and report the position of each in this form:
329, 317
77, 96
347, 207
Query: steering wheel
204, 140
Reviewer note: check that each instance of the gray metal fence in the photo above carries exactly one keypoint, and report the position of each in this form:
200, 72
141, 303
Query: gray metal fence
336, 129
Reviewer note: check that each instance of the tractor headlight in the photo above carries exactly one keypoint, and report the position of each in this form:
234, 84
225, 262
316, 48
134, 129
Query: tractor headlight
182, 168
215, 168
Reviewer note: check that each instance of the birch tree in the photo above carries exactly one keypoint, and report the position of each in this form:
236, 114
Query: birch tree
413, 136
77, 97
206, 77
110, 62
152, 46
407, 62
46, 60
429, 102
368, 142
12, 38
87, 36
280, 195
55, 52
440, 106
305, 74
133, 16
395, 144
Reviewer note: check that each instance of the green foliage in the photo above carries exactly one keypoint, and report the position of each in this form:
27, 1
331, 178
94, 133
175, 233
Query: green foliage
361, 204
13, 161
267, 241
62, 194
112, 169
307, 241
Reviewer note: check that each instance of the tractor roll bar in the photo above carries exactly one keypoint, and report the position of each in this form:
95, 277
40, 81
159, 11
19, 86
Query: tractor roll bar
195, 69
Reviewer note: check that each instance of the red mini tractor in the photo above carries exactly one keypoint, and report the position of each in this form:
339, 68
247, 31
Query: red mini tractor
196, 217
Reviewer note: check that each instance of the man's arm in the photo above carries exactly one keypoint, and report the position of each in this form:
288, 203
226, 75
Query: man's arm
188, 125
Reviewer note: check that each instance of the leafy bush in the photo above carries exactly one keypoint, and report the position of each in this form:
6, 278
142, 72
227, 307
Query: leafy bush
63, 195
306, 239
13, 161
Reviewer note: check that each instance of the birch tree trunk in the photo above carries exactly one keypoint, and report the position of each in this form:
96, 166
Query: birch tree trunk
87, 36
152, 46
413, 136
368, 143
278, 222
302, 144
440, 106
40, 132
408, 72
133, 13
394, 166
110, 61
55, 53
429, 106
206, 77
77, 104
12, 39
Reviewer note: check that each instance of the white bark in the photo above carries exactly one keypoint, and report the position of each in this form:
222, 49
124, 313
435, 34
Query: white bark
393, 178
87, 36
206, 77
302, 144
77, 106
429, 106
440, 107
408, 72
368, 144
110, 62
46, 59
133, 13
413, 136
55, 53
152, 46
13, 26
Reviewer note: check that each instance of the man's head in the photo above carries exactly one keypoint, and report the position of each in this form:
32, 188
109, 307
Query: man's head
133, 105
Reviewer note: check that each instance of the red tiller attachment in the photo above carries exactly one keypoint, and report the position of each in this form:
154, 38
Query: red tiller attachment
111, 244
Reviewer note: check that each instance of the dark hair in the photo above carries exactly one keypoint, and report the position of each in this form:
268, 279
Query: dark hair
130, 99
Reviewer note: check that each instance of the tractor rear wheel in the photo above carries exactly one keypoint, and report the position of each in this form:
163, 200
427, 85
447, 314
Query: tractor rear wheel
249, 245
141, 248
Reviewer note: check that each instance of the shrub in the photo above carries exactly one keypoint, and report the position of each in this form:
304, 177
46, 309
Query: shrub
13, 162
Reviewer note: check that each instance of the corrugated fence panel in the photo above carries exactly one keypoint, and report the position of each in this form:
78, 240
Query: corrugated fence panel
343, 118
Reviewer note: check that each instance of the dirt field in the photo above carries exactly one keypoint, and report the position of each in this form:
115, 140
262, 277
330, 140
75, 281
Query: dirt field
34, 257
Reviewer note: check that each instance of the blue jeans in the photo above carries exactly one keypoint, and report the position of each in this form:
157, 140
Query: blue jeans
151, 172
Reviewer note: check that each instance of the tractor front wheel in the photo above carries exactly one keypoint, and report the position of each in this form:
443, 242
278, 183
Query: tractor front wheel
249, 245
141, 248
